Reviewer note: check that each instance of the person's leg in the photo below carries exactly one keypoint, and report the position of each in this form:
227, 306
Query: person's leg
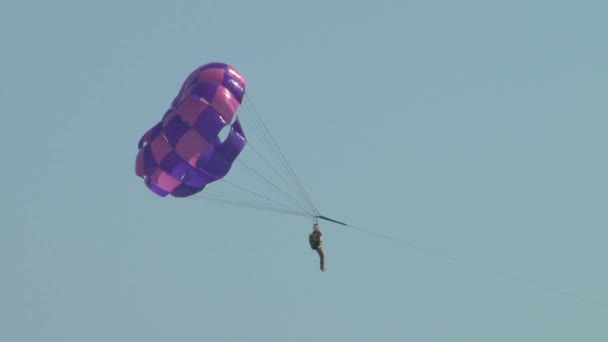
321, 258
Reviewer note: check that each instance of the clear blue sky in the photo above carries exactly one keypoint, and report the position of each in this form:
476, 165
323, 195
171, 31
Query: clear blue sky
473, 128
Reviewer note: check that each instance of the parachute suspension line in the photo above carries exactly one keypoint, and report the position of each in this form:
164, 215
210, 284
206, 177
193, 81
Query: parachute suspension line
249, 205
272, 185
234, 200
272, 148
225, 196
289, 184
295, 209
285, 194
279, 154
241, 198
291, 201
290, 196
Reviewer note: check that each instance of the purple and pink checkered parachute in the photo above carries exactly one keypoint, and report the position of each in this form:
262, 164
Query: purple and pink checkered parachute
183, 152
187, 153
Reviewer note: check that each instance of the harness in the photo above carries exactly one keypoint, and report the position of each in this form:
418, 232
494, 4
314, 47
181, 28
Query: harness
315, 241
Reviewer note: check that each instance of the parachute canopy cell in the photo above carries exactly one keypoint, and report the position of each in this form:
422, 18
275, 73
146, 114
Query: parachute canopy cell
183, 152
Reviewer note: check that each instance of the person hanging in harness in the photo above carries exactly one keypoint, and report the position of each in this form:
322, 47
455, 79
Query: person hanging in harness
316, 243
